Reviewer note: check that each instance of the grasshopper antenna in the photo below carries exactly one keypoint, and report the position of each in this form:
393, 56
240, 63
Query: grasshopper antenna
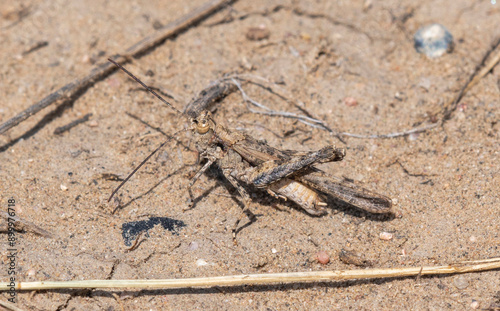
142, 163
145, 86
163, 144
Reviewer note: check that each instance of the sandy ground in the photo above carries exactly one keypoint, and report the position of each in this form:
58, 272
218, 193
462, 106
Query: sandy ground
444, 182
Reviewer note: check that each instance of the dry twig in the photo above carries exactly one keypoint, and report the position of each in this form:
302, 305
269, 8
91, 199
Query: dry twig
478, 74
69, 126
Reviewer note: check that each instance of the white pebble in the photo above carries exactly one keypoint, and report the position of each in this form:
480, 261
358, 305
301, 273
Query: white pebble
460, 282
386, 236
433, 40
193, 246
413, 136
201, 263
93, 123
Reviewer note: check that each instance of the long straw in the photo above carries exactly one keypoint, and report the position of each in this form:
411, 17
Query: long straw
261, 279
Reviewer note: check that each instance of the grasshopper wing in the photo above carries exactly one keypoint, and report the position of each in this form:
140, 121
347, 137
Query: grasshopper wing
256, 152
346, 191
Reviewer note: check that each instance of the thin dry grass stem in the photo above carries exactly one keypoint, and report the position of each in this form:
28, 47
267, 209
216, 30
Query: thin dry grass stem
481, 70
269, 278
313, 122
268, 111
394, 135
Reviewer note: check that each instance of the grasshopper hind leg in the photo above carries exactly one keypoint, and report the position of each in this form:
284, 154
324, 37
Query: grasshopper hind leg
245, 200
231, 164
308, 199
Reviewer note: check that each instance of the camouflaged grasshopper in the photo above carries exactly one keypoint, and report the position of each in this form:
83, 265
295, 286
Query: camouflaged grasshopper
285, 174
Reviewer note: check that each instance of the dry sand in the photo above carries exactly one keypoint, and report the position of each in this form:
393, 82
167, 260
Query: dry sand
445, 181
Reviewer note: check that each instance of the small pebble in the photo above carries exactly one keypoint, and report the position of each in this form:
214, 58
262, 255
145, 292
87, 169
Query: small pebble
400, 96
114, 82
31, 272
352, 258
473, 239
474, 304
386, 236
274, 251
305, 36
193, 246
425, 83
64, 188
350, 102
157, 24
322, 257
433, 40
93, 123
258, 33
413, 136
85, 59
460, 282
261, 262
201, 263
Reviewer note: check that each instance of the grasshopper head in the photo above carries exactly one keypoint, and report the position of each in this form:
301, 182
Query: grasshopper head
201, 126
202, 123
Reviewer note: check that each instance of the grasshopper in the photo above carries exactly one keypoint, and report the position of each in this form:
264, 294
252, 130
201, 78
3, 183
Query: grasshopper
285, 174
